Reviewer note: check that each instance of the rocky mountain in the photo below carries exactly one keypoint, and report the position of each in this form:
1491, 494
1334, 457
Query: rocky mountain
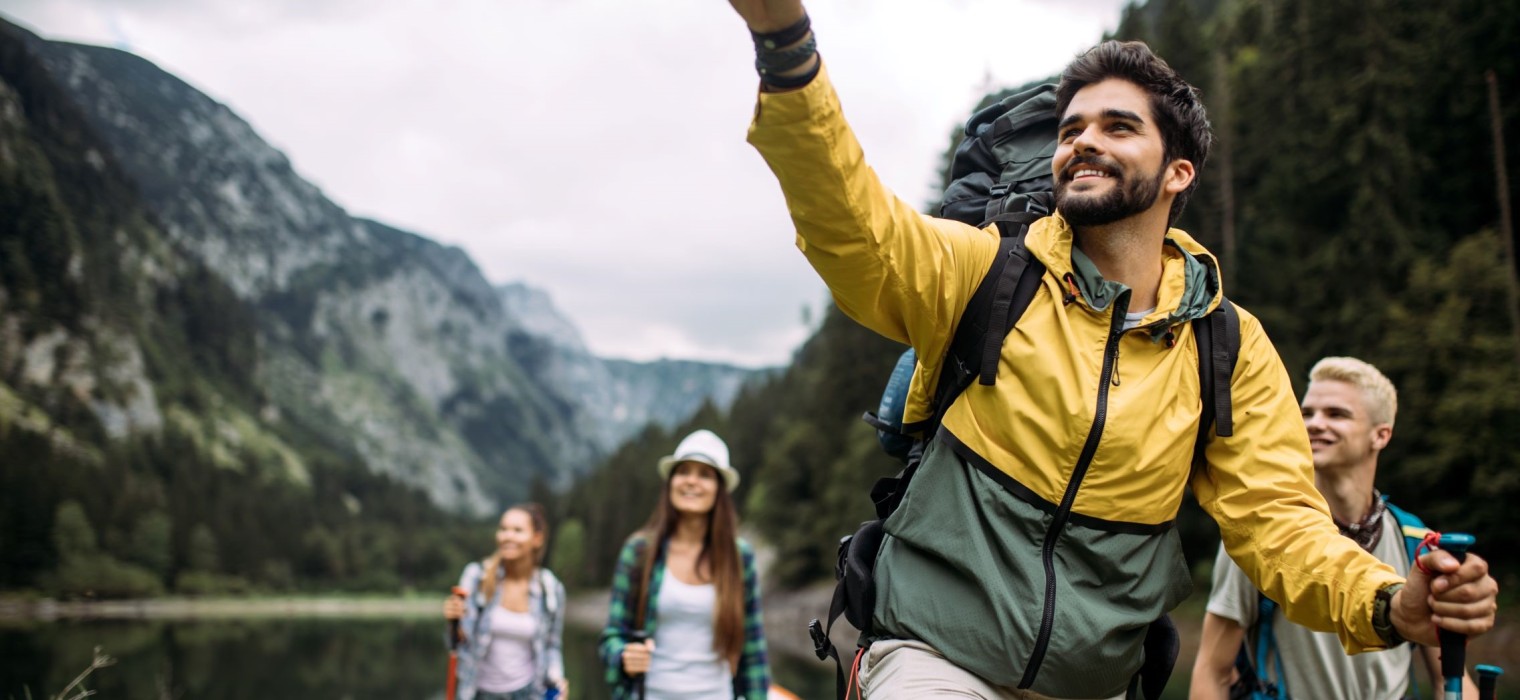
368, 340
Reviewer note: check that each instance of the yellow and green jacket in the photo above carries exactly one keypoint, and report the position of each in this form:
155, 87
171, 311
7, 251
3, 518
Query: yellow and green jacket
1035, 543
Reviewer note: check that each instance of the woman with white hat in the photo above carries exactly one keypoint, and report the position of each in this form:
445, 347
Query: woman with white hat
684, 623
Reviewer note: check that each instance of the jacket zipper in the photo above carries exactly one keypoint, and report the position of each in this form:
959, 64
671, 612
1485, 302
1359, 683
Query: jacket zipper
1063, 512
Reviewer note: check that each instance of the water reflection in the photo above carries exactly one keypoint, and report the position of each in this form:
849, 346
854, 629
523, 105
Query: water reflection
282, 658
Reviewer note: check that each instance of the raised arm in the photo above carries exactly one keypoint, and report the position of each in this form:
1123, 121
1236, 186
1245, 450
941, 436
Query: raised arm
895, 270
765, 16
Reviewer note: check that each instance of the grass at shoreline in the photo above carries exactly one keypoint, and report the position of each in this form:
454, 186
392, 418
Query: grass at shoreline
25, 609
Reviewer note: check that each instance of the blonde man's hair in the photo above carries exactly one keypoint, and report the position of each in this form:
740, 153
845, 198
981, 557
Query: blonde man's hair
1378, 394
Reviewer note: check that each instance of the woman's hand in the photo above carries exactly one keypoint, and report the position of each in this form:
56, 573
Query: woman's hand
636, 657
767, 16
453, 608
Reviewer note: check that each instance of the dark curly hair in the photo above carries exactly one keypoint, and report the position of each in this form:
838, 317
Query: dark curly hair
1175, 105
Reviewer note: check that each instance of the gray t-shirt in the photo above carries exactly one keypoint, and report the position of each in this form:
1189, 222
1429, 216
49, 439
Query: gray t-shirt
1314, 663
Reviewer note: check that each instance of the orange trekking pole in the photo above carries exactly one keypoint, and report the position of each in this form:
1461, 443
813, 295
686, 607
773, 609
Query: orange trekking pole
453, 681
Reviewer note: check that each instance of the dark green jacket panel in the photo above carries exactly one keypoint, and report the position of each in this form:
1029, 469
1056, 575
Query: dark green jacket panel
961, 569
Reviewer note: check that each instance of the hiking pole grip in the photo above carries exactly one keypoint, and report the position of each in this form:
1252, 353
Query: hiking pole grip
451, 684
1454, 645
457, 592
638, 637
1488, 681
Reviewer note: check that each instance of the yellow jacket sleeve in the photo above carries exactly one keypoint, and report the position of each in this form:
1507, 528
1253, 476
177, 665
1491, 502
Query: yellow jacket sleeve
1259, 487
894, 270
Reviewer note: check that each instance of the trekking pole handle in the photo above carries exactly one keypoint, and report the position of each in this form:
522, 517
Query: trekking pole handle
1454, 645
638, 637
1488, 681
457, 592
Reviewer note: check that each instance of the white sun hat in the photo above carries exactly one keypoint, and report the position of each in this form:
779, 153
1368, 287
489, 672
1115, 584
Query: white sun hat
707, 448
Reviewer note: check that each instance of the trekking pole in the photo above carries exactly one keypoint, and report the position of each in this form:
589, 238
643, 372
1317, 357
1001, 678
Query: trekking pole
1454, 645
452, 684
638, 637
1488, 680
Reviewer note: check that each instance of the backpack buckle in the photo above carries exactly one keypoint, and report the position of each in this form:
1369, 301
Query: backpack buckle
821, 644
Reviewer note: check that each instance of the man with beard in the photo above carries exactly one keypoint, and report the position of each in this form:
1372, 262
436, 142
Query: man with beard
1035, 543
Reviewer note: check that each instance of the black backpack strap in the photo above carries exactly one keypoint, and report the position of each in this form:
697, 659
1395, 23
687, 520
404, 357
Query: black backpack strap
1161, 646
1224, 325
999, 301
1218, 338
824, 647
1011, 293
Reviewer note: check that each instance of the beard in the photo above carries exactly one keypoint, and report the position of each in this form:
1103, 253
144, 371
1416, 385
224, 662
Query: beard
1127, 198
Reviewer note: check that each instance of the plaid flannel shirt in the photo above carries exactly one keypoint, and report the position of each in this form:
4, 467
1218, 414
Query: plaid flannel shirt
752, 678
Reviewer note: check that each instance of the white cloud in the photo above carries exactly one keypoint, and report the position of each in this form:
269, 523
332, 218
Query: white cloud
589, 147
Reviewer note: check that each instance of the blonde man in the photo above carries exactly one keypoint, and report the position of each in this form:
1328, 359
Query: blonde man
1349, 411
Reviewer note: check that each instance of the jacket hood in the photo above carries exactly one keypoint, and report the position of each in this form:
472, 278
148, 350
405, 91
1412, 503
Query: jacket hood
1190, 285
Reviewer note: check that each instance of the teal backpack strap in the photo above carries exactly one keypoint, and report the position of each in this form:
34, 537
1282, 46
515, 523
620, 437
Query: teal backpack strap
1267, 652
1414, 530
1410, 525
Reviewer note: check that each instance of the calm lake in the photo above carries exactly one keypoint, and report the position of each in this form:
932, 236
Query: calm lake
336, 658
291, 659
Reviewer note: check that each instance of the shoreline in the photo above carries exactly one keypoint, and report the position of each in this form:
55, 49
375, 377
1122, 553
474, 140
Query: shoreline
48, 610
786, 612
786, 616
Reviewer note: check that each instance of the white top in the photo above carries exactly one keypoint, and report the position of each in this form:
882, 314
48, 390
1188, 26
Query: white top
1132, 319
509, 662
684, 665
1314, 663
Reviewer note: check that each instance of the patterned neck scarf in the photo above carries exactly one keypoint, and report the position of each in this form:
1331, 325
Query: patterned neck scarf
1369, 530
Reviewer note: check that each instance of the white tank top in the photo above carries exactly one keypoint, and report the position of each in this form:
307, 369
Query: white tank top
509, 660
684, 665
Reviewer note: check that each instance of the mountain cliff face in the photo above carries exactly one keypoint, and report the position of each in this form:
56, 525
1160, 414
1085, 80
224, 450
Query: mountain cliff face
373, 341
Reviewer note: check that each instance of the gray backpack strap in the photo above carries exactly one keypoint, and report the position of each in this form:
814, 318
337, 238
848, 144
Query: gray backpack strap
550, 592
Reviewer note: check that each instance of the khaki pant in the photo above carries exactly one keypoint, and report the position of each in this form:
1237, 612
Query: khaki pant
898, 669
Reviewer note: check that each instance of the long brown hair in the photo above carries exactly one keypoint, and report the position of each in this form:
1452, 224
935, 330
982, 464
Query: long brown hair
720, 550
494, 566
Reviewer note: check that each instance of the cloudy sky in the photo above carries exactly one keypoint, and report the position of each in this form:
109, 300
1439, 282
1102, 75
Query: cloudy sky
591, 148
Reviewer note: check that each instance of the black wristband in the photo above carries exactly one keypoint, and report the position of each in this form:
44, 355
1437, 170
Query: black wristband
770, 63
771, 41
794, 81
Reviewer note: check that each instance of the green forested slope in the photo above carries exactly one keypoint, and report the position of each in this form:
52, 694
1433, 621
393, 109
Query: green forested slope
137, 453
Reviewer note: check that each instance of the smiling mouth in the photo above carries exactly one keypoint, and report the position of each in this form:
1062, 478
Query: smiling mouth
1088, 168
1088, 174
